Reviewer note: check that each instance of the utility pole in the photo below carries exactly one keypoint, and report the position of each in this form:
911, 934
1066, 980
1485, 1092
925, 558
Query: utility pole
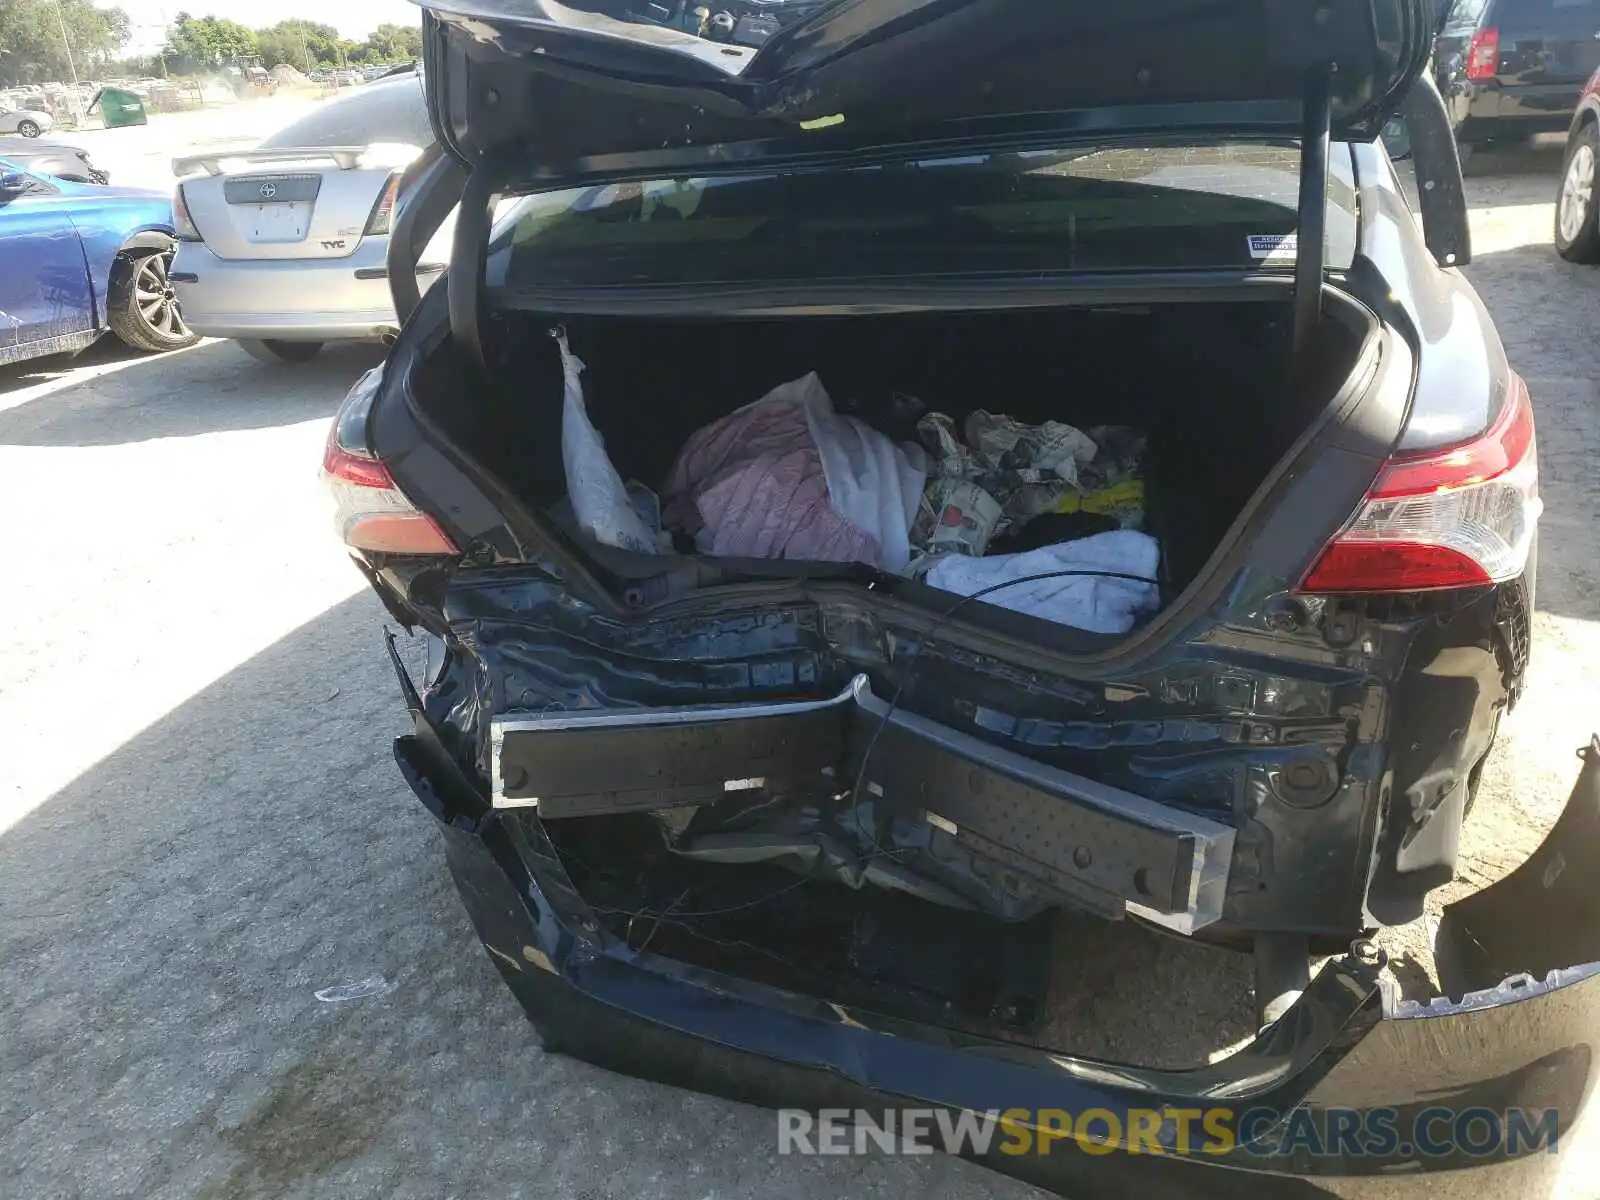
66, 42
75, 100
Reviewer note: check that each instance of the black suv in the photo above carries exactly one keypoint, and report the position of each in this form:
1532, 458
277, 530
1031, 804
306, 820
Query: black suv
1509, 69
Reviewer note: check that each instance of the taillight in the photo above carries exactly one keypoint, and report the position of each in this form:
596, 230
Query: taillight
182, 223
1462, 517
383, 210
1483, 55
371, 512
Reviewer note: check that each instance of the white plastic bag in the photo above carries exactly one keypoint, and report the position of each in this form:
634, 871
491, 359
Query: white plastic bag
1086, 601
600, 502
872, 483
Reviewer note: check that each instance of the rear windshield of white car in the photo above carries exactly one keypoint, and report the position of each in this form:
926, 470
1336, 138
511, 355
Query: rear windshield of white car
390, 110
1098, 209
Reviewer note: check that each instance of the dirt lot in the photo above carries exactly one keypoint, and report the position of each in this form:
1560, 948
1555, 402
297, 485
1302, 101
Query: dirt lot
201, 826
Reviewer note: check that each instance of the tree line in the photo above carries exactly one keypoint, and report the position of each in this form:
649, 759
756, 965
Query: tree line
207, 43
33, 48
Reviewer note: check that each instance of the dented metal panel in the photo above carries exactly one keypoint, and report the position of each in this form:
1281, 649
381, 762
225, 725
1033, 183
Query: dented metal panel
1296, 736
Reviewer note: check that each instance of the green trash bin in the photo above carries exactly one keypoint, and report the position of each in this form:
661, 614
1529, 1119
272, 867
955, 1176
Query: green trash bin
119, 108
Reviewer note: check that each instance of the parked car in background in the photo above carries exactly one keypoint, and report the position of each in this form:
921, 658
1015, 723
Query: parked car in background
1509, 69
1577, 223
57, 159
82, 260
26, 122
285, 247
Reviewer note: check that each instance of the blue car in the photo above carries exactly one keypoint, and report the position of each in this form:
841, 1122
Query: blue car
81, 260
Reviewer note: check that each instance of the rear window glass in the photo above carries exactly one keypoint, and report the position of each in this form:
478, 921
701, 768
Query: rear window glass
1464, 17
384, 111
1080, 209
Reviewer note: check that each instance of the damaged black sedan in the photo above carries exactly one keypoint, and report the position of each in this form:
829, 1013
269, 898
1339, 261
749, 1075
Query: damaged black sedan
953, 465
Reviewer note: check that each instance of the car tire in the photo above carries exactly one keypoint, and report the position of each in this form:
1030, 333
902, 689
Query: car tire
144, 311
1576, 233
271, 351
29, 129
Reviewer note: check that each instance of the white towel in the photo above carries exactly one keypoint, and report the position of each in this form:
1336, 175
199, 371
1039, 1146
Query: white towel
1085, 601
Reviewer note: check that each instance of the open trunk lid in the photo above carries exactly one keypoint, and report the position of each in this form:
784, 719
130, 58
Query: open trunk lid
539, 94
616, 85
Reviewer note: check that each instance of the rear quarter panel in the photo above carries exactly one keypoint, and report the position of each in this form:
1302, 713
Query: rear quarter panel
1462, 373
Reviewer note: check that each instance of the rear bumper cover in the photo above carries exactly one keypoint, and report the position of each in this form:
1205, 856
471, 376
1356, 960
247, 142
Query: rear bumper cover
1484, 112
1349, 1086
288, 299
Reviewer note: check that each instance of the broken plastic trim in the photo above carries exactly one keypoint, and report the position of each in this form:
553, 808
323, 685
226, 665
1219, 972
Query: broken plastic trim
1540, 925
1109, 849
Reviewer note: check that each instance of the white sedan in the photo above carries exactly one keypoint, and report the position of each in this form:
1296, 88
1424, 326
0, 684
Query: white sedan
27, 122
285, 247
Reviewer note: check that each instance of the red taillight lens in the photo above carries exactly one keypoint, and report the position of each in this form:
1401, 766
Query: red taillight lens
1483, 55
1462, 517
371, 512
383, 211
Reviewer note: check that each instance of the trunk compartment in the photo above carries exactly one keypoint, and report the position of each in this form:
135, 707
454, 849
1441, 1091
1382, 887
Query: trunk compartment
1206, 383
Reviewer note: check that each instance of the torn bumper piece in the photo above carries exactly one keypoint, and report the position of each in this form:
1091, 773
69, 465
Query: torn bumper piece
1306, 1104
1106, 849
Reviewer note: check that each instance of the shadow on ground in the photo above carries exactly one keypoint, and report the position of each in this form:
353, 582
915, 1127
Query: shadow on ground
167, 918
33, 371
1543, 161
211, 388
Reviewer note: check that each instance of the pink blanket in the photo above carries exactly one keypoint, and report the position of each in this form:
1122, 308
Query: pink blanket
753, 485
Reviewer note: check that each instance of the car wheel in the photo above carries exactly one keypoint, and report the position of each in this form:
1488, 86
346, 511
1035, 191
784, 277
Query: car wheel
1577, 238
29, 129
144, 309
271, 351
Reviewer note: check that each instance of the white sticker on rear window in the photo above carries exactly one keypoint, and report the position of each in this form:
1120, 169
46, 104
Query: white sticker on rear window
1273, 247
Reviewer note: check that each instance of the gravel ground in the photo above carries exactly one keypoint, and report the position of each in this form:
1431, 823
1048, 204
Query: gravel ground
201, 826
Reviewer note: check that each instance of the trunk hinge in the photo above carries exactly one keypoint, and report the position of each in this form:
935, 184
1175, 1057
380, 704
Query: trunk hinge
1309, 249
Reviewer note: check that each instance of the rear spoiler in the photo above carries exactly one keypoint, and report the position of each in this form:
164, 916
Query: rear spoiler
393, 154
